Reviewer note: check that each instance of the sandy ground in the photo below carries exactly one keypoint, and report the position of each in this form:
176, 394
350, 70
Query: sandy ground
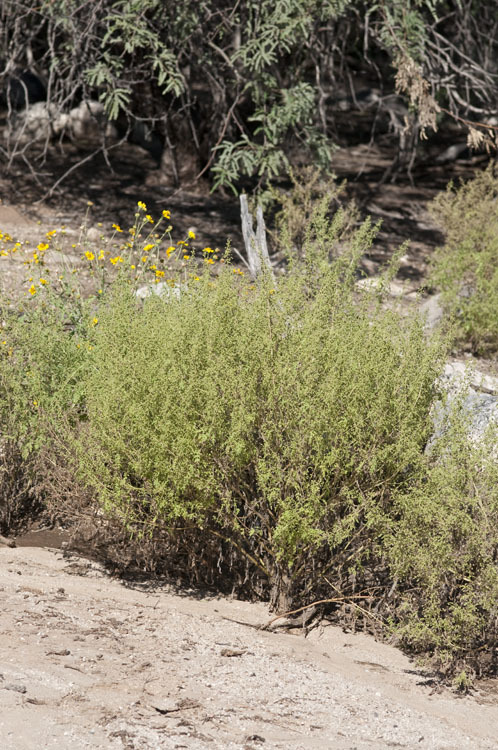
87, 661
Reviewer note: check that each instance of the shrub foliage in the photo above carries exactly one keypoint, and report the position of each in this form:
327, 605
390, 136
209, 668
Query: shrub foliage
466, 267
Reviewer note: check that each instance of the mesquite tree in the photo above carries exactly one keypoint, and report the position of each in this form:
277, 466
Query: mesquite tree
247, 83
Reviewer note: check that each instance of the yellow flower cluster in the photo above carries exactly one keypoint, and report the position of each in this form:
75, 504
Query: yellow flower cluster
146, 242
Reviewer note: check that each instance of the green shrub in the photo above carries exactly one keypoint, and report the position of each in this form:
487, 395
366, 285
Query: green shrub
47, 334
466, 267
42, 357
442, 551
279, 417
313, 193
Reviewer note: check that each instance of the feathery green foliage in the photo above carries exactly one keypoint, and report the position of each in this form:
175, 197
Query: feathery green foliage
466, 267
250, 85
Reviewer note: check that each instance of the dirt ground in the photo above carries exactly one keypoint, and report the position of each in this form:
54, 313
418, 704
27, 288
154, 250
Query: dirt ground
87, 661
91, 662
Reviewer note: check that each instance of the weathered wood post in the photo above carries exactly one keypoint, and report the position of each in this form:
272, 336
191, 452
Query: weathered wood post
255, 243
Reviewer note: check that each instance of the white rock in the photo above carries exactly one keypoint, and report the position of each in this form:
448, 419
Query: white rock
35, 123
162, 289
86, 122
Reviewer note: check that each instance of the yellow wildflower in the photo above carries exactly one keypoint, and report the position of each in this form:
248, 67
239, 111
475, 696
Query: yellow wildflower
209, 260
95, 321
142, 205
148, 247
51, 233
132, 267
144, 259
43, 282
42, 247
166, 214
186, 257
117, 259
101, 255
208, 250
32, 290
191, 235
99, 291
153, 268
170, 250
89, 255
117, 227
159, 273
149, 219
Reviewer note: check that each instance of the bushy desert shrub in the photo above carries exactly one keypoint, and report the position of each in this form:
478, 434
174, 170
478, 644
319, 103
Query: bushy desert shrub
466, 267
47, 334
42, 357
279, 417
311, 192
442, 547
